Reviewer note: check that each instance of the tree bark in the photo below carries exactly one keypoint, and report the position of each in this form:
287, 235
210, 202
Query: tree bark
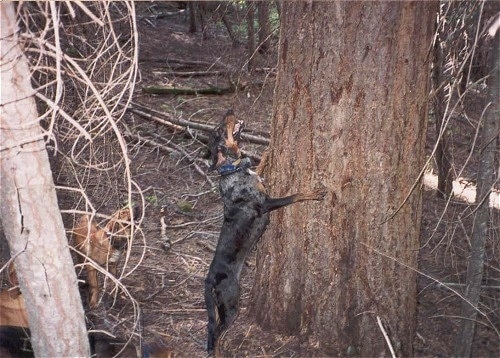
350, 112
30, 214
485, 182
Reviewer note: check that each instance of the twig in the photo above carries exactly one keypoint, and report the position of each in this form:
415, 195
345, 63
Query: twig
387, 339
152, 295
246, 336
168, 149
166, 242
189, 159
185, 237
454, 284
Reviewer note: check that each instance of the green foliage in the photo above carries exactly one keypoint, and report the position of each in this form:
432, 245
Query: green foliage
274, 17
185, 206
152, 199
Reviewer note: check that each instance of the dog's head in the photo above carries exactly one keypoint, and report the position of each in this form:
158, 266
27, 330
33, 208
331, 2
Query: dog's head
223, 142
119, 227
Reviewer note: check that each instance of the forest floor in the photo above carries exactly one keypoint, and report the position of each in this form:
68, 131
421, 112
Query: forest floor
167, 281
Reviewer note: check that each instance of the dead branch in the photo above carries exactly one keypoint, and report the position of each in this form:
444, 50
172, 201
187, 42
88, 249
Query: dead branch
162, 90
181, 62
195, 73
170, 121
177, 149
193, 63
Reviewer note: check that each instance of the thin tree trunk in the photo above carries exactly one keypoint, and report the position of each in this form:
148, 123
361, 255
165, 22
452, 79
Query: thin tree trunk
264, 25
485, 181
30, 214
192, 16
251, 34
443, 158
350, 113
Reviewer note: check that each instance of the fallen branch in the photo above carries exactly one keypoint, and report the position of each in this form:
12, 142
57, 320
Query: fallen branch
193, 63
171, 121
186, 155
161, 90
160, 15
194, 73
177, 149
184, 62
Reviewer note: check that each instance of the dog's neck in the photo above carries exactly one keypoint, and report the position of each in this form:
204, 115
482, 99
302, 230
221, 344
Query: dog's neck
230, 167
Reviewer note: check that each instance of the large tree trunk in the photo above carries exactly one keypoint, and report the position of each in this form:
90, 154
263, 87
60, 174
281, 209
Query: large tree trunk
350, 112
30, 214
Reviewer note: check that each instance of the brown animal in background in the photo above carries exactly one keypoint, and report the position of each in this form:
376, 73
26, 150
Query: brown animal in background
12, 305
15, 342
103, 245
13, 308
246, 215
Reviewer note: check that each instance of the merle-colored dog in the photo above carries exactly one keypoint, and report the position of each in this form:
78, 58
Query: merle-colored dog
246, 215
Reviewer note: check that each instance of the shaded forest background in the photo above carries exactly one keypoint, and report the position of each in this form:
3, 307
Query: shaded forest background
190, 73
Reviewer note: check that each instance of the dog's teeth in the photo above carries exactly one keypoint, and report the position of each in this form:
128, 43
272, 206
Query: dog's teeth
238, 127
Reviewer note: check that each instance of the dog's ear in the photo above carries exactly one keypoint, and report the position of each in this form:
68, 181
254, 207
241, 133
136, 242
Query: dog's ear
214, 139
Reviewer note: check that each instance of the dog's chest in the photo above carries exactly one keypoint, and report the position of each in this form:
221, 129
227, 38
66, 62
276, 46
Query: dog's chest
241, 187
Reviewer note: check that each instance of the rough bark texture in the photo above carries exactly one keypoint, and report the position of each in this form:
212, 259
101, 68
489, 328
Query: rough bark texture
30, 214
350, 113
485, 181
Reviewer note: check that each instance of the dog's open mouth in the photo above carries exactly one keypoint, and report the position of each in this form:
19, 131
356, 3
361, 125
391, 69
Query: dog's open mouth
223, 143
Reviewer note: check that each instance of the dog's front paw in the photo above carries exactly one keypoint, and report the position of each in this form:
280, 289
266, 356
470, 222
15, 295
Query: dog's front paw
319, 193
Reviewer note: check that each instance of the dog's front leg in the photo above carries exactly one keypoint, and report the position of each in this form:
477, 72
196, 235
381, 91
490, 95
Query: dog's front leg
277, 203
93, 286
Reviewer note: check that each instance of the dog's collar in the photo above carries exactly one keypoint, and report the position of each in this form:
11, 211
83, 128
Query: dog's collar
229, 168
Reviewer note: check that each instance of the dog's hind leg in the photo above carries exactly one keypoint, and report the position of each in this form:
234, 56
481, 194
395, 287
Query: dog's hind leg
222, 302
213, 318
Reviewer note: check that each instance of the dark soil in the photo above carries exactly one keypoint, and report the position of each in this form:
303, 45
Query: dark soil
166, 280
